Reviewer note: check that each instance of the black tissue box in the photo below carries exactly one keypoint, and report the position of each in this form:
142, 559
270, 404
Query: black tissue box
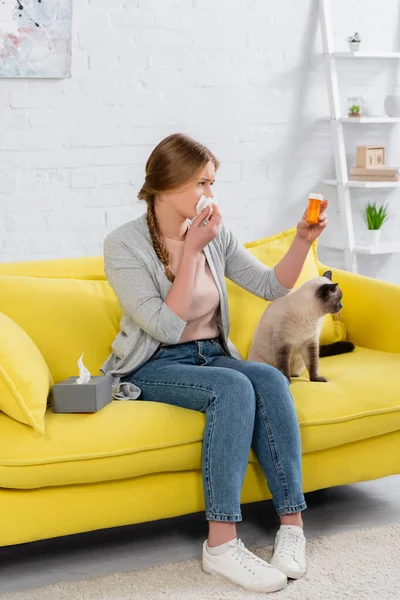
71, 397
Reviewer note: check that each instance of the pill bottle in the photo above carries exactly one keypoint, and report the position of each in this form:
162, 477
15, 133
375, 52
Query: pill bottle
314, 207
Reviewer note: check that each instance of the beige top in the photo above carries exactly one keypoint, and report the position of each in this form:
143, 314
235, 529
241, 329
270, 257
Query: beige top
201, 320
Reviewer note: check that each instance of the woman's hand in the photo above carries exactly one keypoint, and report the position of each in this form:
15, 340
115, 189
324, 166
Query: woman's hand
308, 232
198, 235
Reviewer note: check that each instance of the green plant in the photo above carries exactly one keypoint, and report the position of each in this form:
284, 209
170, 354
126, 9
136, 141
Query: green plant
375, 216
355, 109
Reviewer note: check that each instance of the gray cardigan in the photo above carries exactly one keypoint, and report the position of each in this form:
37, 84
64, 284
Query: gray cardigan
138, 279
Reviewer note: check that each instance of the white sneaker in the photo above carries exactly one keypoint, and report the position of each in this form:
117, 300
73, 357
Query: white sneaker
243, 568
290, 551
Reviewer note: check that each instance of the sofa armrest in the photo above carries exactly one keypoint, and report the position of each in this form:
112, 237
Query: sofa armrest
371, 310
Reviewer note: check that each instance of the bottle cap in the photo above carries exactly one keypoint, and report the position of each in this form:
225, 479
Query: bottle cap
316, 197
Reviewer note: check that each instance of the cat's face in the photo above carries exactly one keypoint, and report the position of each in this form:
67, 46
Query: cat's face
330, 295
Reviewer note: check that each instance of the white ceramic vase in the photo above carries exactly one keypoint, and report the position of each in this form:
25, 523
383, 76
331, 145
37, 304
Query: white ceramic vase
372, 237
354, 46
392, 105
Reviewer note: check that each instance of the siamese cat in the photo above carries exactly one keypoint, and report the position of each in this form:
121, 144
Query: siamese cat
287, 336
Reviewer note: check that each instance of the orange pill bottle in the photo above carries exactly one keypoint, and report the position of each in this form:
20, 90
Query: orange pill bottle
314, 208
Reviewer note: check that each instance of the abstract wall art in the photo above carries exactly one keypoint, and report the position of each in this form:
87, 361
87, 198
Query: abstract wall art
35, 38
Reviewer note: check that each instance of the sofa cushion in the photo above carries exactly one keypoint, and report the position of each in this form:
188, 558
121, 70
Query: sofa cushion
124, 439
64, 317
133, 438
245, 309
82, 267
25, 379
360, 400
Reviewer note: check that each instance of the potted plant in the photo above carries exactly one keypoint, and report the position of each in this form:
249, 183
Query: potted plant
354, 42
355, 110
355, 106
374, 216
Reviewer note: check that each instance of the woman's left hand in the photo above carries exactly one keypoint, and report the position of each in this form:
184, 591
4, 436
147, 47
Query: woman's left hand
308, 232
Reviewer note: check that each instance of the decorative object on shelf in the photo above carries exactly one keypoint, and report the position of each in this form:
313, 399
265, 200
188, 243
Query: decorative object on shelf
354, 42
355, 110
374, 216
375, 174
369, 157
356, 106
392, 105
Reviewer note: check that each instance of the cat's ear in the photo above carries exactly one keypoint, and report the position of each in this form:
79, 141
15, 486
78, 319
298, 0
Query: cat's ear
324, 290
328, 275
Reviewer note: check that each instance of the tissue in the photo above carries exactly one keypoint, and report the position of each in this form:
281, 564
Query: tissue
203, 203
84, 374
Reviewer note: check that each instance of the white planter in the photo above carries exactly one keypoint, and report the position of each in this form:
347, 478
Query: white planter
372, 237
354, 46
392, 105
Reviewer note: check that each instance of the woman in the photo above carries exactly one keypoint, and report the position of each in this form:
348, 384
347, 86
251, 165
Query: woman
168, 272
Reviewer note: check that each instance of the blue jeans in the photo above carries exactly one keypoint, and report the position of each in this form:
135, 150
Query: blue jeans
246, 404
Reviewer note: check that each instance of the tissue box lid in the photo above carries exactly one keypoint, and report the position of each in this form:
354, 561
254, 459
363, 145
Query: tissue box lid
94, 381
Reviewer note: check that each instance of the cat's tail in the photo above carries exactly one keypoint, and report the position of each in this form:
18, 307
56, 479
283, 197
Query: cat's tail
336, 348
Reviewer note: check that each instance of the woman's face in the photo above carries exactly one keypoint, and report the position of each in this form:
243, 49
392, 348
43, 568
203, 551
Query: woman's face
183, 200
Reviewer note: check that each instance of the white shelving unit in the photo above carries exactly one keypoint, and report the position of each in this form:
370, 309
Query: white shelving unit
370, 120
342, 183
365, 184
366, 54
383, 248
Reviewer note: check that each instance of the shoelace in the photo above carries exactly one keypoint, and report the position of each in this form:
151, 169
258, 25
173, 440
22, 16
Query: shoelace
247, 558
289, 542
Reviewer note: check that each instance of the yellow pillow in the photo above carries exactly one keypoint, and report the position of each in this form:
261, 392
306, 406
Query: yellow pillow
64, 317
25, 378
246, 309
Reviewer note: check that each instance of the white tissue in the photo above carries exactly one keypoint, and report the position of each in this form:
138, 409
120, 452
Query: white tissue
84, 374
203, 203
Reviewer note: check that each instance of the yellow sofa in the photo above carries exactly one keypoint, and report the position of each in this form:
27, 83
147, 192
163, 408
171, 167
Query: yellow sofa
140, 461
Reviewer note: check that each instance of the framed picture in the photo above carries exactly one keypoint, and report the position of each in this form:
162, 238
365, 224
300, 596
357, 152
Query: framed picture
35, 38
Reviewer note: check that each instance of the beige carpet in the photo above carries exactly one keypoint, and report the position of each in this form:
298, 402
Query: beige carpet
356, 565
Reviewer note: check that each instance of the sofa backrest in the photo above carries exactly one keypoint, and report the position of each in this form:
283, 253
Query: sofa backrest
68, 307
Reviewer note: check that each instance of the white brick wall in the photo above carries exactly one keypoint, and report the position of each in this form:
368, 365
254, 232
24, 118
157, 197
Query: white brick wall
245, 78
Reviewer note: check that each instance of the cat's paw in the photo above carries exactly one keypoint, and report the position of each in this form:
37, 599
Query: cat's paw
319, 379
